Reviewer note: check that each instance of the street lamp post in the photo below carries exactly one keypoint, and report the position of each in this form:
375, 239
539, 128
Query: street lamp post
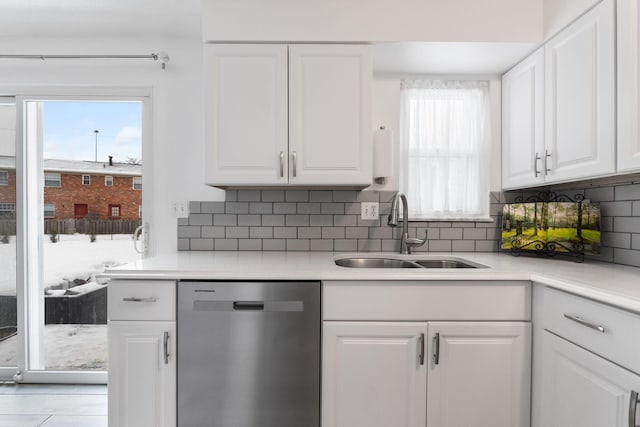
96, 132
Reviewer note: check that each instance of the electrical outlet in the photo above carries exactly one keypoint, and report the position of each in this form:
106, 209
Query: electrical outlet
369, 210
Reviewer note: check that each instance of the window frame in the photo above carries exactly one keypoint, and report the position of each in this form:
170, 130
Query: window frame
88, 180
4, 177
111, 208
59, 180
52, 210
138, 184
108, 180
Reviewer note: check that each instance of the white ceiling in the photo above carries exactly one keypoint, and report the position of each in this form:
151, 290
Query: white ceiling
77, 18
130, 18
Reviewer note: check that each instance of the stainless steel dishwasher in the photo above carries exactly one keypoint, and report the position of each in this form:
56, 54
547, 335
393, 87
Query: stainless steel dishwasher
248, 354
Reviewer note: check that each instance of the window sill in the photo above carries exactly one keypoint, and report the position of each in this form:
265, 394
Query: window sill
479, 219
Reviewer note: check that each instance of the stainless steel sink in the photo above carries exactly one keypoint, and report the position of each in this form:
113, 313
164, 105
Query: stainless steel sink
374, 262
443, 263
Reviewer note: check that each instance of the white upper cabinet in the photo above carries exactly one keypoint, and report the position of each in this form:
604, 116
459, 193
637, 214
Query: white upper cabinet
246, 107
560, 126
281, 115
330, 114
628, 86
523, 123
580, 97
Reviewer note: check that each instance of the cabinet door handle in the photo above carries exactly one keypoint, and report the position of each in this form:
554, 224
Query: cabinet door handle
282, 164
633, 406
421, 349
535, 164
294, 160
584, 322
547, 156
135, 299
166, 348
436, 349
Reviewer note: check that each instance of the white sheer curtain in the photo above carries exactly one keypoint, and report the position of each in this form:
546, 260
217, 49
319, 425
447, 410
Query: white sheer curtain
444, 149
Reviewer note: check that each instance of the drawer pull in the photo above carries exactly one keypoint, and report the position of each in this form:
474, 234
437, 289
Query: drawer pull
134, 299
585, 323
633, 406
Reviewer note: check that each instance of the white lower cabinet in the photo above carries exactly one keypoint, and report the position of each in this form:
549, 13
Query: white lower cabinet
581, 389
479, 374
142, 353
438, 374
142, 389
372, 375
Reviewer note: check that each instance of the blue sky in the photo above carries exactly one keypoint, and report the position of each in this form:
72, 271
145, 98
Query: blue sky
68, 129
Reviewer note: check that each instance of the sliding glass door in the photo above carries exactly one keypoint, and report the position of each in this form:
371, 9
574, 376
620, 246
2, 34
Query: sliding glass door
79, 172
8, 252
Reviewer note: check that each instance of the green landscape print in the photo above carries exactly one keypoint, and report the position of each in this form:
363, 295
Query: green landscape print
552, 226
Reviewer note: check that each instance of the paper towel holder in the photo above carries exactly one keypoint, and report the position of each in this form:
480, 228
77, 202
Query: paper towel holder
383, 155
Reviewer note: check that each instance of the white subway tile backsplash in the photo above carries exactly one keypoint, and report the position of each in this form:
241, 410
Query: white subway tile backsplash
627, 192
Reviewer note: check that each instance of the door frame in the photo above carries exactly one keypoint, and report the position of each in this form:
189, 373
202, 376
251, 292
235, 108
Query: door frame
29, 218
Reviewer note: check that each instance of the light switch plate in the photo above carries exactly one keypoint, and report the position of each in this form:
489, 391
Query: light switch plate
180, 210
369, 210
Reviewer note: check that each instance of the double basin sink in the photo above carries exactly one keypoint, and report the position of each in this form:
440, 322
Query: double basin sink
392, 262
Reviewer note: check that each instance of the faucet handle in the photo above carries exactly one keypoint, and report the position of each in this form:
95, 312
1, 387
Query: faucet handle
414, 242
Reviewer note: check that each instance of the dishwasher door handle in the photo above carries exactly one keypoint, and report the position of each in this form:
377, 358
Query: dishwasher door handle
248, 305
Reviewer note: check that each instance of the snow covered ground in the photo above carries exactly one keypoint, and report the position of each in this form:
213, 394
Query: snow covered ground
73, 256
68, 347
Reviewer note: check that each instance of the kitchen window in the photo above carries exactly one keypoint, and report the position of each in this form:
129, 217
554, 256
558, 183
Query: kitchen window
86, 179
137, 183
4, 178
444, 149
49, 210
108, 180
52, 179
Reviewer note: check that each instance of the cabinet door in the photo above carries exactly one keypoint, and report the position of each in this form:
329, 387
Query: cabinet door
479, 374
372, 375
628, 86
245, 114
579, 99
330, 136
142, 379
580, 389
523, 123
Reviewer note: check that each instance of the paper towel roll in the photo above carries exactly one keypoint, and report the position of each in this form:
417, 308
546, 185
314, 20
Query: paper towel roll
382, 154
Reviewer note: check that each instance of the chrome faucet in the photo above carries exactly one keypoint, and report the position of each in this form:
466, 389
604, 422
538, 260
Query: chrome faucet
406, 242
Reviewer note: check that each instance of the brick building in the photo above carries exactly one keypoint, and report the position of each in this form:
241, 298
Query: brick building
76, 189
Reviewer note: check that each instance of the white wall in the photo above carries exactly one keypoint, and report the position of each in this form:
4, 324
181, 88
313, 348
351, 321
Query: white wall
373, 20
557, 14
386, 111
177, 145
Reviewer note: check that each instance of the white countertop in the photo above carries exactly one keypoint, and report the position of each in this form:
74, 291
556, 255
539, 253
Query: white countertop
610, 283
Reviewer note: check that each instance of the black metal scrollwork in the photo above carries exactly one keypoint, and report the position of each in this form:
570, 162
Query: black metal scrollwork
549, 248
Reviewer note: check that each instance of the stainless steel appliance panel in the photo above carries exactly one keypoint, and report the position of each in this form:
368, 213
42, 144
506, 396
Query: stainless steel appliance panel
248, 354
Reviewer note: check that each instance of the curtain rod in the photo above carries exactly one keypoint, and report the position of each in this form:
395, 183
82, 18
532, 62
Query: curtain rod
160, 56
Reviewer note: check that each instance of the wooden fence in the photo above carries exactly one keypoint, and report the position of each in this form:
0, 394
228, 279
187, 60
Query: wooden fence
81, 226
